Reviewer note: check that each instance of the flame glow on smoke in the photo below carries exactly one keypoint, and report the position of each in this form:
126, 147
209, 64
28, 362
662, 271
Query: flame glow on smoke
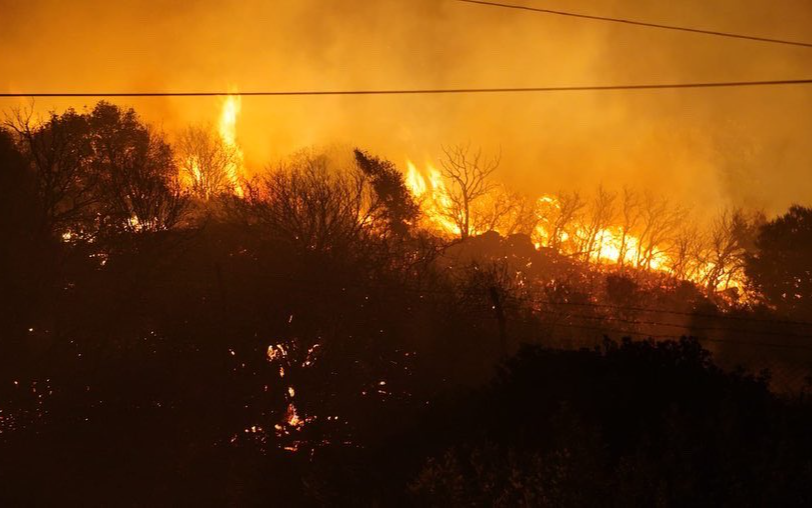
215, 162
228, 134
433, 197
608, 245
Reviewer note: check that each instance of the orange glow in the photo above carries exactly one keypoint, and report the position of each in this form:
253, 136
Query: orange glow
607, 245
193, 176
433, 198
228, 133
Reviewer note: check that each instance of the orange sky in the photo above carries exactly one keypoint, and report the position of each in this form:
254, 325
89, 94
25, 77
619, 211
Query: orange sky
710, 148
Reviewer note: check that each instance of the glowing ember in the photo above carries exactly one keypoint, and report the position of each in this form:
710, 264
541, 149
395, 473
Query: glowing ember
292, 418
276, 352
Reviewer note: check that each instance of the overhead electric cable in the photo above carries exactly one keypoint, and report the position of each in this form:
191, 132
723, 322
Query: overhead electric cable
422, 91
638, 23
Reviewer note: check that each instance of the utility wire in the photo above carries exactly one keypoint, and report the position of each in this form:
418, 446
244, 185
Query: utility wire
639, 23
421, 91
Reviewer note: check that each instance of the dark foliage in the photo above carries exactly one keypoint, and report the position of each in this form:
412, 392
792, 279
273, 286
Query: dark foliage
635, 424
781, 268
387, 181
307, 345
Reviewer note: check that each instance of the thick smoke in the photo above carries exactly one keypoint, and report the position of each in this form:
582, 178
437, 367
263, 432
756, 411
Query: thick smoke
706, 148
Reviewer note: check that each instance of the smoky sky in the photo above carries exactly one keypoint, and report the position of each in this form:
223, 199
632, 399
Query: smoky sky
706, 148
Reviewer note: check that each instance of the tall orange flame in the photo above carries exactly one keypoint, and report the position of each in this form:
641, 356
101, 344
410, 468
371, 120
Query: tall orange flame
228, 134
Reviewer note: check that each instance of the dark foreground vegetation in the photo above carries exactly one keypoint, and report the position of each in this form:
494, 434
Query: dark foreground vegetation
308, 344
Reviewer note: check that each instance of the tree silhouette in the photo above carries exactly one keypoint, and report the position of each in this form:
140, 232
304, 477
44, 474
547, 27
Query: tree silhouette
58, 152
311, 205
731, 237
601, 216
310, 344
400, 209
560, 216
138, 178
29, 255
469, 176
781, 267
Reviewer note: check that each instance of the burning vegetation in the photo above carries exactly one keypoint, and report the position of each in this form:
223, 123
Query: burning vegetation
615, 229
307, 289
625, 229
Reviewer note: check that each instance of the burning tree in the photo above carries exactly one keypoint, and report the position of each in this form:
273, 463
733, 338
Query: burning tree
729, 240
687, 252
559, 217
205, 161
507, 212
601, 218
629, 218
659, 221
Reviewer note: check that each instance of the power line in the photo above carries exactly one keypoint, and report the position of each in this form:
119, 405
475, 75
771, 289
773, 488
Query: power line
639, 23
419, 91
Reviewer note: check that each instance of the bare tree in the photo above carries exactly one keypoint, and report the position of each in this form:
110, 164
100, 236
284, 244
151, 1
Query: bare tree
469, 176
205, 161
629, 219
560, 214
314, 207
730, 235
506, 212
686, 252
601, 217
659, 220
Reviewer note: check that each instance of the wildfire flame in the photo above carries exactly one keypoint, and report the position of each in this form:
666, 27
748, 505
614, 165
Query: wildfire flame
433, 197
192, 176
608, 245
228, 134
